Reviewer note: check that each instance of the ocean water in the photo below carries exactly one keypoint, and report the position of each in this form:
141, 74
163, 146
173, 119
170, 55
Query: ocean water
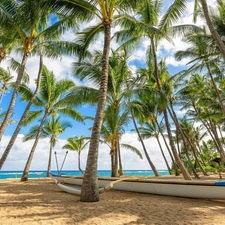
104, 173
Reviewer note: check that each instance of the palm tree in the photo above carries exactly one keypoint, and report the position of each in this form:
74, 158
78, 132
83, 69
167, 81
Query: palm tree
112, 130
52, 128
5, 80
136, 112
76, 144
150, 129
199, 98
116, 114
29, 96
52, 100
28, 22
202, 56
148, 25
209, 22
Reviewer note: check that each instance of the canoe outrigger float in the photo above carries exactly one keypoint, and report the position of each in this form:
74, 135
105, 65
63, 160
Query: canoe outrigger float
208, 189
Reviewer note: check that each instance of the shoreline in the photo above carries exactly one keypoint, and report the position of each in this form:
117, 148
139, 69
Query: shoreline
39, 201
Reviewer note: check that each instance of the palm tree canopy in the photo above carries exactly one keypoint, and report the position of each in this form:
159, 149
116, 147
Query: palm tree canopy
76, 144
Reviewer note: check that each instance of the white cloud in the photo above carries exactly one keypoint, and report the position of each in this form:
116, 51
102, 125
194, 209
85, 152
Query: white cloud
19, 154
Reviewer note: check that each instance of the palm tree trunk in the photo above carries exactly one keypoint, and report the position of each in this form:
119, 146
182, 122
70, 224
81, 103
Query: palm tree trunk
164, 157
221, 151
120, 160
89, 190
22, 119
114, 158
14, 95
29, 160
164, 139
179, 162
212, 29
221, 134
79, 163
207, 125
156, 173
216, 89
50, 158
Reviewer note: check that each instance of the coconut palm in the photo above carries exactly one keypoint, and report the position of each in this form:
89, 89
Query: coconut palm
202, 57
116, 114
107, 13
199, 98
211, 27
113, 128
30, 96
52, 100
148, 25
150, 129
77, 144
52, 129
5, 80
28, 22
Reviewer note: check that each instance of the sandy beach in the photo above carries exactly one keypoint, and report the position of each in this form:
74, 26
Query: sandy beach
39, 201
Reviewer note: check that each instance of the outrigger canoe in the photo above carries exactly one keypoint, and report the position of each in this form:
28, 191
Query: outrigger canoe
70, 189
207, 189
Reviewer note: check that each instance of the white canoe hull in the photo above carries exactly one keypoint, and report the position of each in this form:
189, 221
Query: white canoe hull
178, 188
70, 189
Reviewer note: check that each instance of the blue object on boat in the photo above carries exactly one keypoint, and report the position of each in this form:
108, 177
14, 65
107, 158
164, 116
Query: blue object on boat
220, 183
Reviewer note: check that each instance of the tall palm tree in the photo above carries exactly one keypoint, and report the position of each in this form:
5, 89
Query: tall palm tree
76, 144
52, 100
148, 25
28, 22
52, 129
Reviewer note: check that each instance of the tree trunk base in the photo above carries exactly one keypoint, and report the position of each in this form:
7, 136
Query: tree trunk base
23, 179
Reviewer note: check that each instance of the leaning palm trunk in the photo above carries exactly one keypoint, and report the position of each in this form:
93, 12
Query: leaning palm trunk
89, 190
179, 162
20, 124
164, 139
213, 31
29, 160
14, 95
215, 133
49, 159
144, 148
207, 125
216, 89
164, 157
186, 139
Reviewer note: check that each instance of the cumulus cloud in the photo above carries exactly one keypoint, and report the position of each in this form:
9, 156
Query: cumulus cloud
20, 152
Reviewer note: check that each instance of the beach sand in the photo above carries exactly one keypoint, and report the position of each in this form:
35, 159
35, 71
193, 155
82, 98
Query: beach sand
39, 201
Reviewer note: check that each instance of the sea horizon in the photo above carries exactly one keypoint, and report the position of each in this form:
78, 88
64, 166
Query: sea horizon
6, 174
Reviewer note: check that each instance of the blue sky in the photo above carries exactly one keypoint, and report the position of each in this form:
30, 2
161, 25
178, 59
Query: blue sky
18, 156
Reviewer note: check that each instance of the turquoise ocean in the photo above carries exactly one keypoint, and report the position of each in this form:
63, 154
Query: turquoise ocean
105, 173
